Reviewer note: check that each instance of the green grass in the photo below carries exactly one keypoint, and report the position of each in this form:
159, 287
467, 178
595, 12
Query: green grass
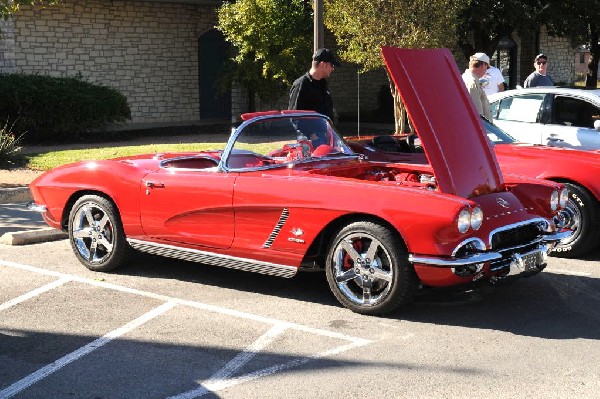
51, 159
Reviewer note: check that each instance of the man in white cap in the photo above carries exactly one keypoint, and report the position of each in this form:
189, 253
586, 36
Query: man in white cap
493, 81
478, 65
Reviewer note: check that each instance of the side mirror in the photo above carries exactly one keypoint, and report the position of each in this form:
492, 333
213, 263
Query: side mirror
597, 125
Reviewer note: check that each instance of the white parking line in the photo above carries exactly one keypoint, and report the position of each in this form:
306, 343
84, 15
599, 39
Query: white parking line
92, 346
220, 379
235, 364
284, 366
34, 293
198, 305
570, 272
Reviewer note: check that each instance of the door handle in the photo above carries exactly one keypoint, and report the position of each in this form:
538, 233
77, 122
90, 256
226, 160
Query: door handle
553, 137
154, 184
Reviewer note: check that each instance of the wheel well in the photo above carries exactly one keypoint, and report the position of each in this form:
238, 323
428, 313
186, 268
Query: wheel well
315, 256
71, 201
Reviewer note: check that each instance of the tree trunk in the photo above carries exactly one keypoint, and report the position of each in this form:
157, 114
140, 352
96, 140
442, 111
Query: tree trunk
591, 79
400, 119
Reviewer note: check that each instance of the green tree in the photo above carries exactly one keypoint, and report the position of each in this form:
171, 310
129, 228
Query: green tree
362, 27
580, 21
272, 42
9, 7
482, 23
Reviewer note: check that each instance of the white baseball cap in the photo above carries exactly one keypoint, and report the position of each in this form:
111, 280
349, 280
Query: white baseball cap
481, 57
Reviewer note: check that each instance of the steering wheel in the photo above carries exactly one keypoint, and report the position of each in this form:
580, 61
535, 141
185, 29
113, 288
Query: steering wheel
414, 142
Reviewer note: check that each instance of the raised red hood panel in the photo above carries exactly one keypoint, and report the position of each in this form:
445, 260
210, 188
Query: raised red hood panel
445, 119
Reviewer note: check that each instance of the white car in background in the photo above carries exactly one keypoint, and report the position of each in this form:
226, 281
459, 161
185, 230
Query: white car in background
554, 116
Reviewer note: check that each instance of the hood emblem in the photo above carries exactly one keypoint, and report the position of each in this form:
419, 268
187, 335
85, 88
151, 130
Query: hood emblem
502, 202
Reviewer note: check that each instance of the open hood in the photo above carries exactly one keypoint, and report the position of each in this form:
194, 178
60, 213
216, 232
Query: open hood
445, 119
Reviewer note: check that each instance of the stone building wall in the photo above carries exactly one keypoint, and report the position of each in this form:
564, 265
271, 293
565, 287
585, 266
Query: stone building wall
561, 65
7, 45
559, 51
346, 88
147, 50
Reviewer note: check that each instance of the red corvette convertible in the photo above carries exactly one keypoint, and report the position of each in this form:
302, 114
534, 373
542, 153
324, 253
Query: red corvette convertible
286, 193
577, 170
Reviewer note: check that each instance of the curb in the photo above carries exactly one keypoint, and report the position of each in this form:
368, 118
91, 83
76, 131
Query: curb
32, 236
13, 195
18, 195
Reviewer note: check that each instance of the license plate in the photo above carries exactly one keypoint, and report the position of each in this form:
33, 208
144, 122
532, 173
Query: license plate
525, 263
532, 261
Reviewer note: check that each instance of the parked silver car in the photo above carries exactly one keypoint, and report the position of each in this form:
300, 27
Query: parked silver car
550, 115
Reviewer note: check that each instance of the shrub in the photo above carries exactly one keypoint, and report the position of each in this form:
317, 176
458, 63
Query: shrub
53, 109
9, 147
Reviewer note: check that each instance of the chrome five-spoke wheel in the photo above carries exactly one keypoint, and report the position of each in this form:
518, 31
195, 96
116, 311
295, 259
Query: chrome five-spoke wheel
96, 233
368, 269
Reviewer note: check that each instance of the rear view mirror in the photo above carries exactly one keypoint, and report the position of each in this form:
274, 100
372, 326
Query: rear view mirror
597, 125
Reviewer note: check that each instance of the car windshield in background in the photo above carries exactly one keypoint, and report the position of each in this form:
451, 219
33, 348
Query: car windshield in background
497, 135
278, 140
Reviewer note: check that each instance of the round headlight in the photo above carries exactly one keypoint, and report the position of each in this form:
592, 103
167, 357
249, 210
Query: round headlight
554, 201
464, 220
476, 218
564, 197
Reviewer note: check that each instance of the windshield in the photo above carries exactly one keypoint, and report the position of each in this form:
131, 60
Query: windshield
284, 139
495, 134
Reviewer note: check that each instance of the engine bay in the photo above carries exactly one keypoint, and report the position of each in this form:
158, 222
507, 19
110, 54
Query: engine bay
419, 176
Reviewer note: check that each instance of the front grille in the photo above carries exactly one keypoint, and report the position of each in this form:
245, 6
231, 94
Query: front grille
514, 237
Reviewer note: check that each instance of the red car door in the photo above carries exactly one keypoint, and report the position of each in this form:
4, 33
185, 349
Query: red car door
189, 206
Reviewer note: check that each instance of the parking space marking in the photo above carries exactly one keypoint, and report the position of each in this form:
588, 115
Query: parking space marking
84, 350
34, 293
220, 379
570, 272
198, 305
235, 364
280, 367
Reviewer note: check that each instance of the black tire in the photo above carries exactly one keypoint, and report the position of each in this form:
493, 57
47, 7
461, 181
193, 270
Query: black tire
585, 222
96, 234
383, 285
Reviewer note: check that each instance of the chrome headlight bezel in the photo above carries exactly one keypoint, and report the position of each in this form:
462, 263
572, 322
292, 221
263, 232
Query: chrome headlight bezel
563, 198
464, 220
469, 218
554, 200
476, 218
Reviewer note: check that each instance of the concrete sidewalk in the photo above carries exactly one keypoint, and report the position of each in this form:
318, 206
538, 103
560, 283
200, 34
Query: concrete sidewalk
18, 225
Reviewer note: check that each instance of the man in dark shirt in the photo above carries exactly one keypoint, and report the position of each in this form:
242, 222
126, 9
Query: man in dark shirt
539, 76
309, 92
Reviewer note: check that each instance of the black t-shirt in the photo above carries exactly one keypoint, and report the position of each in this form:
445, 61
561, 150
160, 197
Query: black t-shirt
311, 94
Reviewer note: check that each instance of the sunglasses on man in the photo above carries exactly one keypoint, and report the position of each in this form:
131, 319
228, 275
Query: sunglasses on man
541, 62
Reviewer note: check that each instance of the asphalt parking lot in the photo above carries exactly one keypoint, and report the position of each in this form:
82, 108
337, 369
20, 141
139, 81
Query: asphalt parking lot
162, 328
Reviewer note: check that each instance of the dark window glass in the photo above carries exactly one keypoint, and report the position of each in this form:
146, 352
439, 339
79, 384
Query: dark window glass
569, 111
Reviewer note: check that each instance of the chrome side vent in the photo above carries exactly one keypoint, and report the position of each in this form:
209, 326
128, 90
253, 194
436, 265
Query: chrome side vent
285, 213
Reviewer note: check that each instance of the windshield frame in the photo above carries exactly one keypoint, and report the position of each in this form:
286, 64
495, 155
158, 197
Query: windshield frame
342, 149
495, 130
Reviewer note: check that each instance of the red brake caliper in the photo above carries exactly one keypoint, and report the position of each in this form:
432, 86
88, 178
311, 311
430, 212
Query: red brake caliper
348, 261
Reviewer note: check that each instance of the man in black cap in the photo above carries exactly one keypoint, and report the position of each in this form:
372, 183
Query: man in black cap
539, 77
310, 92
